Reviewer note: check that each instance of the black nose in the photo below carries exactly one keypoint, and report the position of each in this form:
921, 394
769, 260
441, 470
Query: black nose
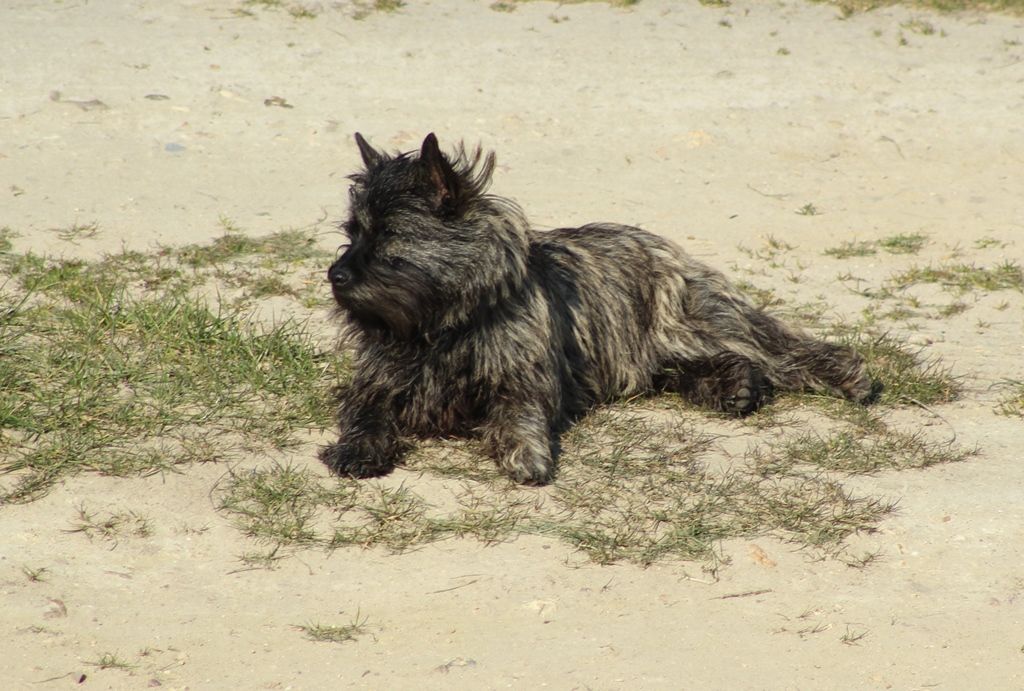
339, 275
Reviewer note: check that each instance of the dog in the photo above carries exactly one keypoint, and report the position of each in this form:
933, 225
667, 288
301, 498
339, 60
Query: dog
465, 321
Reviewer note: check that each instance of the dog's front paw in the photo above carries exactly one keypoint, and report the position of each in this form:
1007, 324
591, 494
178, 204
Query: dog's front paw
527, 465
356, 460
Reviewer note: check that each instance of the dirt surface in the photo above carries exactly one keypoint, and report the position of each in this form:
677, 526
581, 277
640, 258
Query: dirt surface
711, 126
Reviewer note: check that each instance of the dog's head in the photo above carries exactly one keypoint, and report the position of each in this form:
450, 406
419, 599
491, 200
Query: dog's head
424, 240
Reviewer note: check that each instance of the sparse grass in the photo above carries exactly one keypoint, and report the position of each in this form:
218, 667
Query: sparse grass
104, 370
364, 8
763, 298
510, 5
908, 376
962, 278
35, 575
919, 26
852, 248
301, 12
849, 7
112, 526
119, 367
904, 243
77, 231
326, 633
953, 308
112, 661
629, 489
858, 451
1012, 400
284, 246
275, 507
808, 210
987, 242
5, 239
853, 636
814, 511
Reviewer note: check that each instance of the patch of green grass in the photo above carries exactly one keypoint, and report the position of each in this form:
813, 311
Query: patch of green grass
808, 210
103, 370
5, 239
276, 507
952, 309
364, 8
908, 376
509, 5
628, 489
858, 451
852, 248
265, 285
283, 246
112, 526
227, 246
919, 26
816, 512
849, 7
987, 242
118, 367
326, 633
489, 518
391, 517
1012, 400
904, 243
112, 661
963, 277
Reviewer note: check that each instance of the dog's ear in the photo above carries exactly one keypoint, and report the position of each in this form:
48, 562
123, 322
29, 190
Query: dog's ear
441, 178
371, 157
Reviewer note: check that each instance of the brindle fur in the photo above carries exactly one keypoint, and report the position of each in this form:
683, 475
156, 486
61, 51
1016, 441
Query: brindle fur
465, 321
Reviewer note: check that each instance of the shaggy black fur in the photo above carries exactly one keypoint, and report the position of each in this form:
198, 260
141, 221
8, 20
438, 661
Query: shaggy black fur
465, 321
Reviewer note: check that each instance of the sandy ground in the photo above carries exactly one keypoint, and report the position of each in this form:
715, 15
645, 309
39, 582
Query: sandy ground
710, 126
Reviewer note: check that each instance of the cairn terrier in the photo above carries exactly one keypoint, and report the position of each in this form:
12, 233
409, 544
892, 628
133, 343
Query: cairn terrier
465, 321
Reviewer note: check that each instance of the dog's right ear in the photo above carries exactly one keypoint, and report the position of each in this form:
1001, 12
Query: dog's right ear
443, 181
371, 157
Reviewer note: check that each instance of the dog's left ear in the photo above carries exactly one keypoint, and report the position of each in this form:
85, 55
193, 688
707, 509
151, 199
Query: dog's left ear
371, 157
441, 177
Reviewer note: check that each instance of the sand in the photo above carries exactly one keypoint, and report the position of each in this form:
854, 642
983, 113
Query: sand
711, 126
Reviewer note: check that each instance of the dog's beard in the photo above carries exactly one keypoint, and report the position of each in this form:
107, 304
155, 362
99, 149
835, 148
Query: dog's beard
397, 303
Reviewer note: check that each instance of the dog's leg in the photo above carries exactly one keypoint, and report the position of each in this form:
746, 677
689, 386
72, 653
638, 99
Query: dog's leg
801, 362
728, 382
369, 444
721, 340
519, 438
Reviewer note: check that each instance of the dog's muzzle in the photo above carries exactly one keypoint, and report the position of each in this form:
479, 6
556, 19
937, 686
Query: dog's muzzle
339, 276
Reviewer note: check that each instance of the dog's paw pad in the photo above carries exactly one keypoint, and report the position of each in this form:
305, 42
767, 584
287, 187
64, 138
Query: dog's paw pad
749, 392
